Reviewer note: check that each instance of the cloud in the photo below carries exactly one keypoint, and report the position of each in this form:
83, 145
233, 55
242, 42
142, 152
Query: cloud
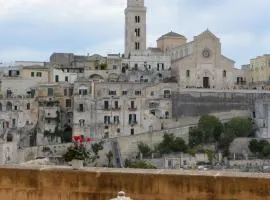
32, 28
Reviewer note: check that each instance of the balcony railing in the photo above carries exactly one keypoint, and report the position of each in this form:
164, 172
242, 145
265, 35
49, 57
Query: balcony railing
132, 109
116, 108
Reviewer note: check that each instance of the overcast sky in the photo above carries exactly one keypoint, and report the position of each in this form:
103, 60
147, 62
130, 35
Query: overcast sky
33, 29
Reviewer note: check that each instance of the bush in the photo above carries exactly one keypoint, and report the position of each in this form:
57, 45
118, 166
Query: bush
138, 164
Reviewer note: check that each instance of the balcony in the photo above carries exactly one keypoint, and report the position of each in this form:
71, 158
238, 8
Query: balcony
153, 105
132, 109
116, 108
133, 122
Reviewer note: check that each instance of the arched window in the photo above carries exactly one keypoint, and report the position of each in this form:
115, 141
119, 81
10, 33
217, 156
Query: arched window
224, 73
9, 106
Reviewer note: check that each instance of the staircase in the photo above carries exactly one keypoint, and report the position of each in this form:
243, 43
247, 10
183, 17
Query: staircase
117, 154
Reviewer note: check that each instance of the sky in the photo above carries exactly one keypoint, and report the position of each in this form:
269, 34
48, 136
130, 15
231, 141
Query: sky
34, 29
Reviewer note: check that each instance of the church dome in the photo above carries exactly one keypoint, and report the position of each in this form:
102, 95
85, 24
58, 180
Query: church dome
171, 35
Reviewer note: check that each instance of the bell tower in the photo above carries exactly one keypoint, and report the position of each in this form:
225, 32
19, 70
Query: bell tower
135, 27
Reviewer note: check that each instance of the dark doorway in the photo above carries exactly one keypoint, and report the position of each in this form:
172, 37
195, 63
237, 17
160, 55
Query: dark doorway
206, 82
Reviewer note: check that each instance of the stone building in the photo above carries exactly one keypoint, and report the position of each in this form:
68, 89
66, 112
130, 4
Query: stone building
40, 74
260, 70
114, 109
55, 110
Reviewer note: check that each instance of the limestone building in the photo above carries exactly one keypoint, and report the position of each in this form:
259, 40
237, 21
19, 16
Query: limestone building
260, 69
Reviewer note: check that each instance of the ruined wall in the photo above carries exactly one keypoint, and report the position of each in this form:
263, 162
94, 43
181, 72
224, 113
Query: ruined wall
196, 103
103, 184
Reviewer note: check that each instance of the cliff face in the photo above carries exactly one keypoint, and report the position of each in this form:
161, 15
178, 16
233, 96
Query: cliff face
102, 184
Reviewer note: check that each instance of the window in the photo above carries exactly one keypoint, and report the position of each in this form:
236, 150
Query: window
118, 130
132, 104
70, 91
66, 78
65, 92
1, 107
56, 78
32, 74
9, 106
187, 73
152, 93
114, 67
116, 120
224, 73
136, 66
124, 92
138, 92
15, 107
112, 92
167, 94
116, 106
137, 32
82, 122
106, 105
137, 46
39, 74
81, 108
107, 119
132, 131
137, 19
132, 119
83, 91
13, 122
68, 103
28, 106
50, 92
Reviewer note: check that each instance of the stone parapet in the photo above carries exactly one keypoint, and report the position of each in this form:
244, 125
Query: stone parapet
54, 183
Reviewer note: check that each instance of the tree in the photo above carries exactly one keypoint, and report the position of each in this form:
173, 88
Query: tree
254, 146
195, 137
211, 128
144, 149
266, 151
260, 149
241, 126
96, 147
171, 144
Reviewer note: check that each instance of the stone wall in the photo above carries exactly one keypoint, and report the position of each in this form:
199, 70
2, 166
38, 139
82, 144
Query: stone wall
46, 183
200, 102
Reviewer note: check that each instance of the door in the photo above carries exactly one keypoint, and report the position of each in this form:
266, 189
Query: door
206, 82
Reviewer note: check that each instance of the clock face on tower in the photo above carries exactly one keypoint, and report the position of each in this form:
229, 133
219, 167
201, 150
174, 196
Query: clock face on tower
206, 53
